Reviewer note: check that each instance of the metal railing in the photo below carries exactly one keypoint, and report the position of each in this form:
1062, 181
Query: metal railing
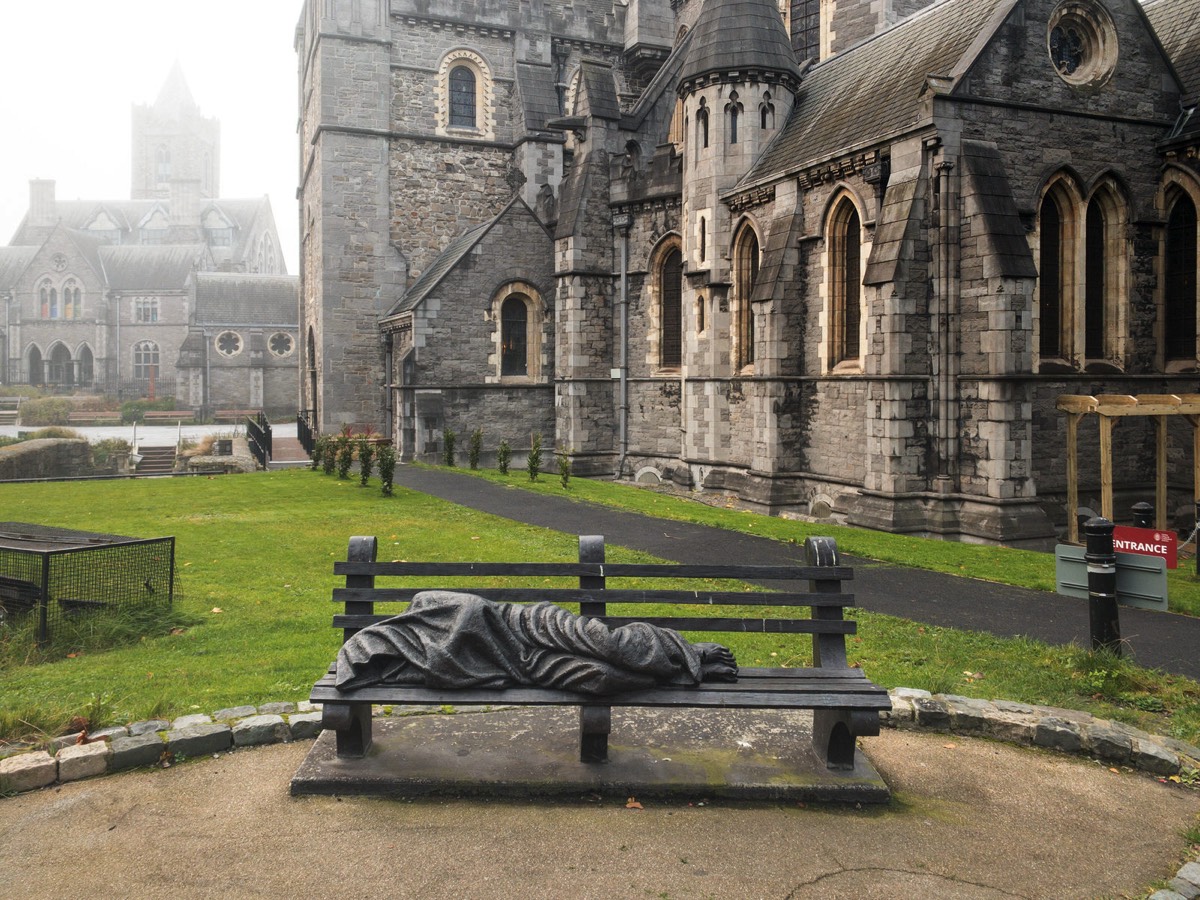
305, 430
258, 436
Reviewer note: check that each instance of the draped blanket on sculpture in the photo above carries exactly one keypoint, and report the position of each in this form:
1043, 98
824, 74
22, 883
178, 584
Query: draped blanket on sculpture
456, 640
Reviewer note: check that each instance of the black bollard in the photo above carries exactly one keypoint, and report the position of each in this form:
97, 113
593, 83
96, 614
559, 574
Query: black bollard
1101, 561
1143, 515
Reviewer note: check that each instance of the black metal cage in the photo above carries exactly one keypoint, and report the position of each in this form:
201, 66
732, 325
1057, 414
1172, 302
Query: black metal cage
59, 574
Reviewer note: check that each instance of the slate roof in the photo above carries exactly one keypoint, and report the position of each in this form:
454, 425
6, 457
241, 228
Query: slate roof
128, 213
539, 95
440, 267
1177, 24
600, 90
871, 91
13, 262
739, 35
238, 299
163, 268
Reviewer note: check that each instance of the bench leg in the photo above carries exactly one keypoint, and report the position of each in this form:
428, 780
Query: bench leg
835, 732
595, 723
352, 724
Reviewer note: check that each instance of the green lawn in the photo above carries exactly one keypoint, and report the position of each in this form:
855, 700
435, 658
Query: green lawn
255, 556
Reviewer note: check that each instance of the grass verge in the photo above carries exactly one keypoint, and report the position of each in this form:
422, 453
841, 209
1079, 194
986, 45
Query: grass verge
255, 555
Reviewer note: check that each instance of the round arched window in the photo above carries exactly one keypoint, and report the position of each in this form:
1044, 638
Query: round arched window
229, 343
1082, 41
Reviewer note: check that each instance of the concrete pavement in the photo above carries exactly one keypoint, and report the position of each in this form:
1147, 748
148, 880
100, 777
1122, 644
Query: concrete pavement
970, 819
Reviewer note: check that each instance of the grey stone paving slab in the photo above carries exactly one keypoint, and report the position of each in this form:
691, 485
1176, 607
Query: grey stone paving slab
28, 771
197, 740
136, 750
234, 712
82, 761
149, 726
261, 730
188, 721
748, 754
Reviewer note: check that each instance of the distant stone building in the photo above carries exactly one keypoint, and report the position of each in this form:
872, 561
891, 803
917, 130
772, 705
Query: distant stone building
102, 295
832, 257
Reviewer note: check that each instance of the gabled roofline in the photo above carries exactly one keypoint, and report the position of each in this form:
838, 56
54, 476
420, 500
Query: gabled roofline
485, 229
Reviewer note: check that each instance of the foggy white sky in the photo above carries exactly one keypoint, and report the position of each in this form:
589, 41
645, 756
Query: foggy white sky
71, 70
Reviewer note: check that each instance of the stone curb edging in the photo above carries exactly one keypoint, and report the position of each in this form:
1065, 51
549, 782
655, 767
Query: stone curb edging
159, 742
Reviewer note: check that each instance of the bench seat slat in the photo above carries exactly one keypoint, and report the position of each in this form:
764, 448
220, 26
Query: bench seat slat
732, 626
866, 696
571, 595
608, 570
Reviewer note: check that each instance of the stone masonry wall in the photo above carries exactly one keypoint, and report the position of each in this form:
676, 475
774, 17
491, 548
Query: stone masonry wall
48, 458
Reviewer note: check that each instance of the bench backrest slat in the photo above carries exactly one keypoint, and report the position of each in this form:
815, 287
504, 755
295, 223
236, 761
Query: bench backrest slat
578, 595
680, 623
606, 570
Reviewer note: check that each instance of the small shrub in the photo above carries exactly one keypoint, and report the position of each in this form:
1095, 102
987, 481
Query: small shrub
329, 458
448, 440
135, 410
345, 456
474, 446
56, 432
534, 462
387, 467
46, 411
503, 456
366, 454
103, 451
564, 467
318, 452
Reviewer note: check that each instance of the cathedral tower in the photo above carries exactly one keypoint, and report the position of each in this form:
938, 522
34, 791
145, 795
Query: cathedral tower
172, 141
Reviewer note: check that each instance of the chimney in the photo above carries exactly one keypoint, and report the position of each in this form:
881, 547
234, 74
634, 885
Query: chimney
43, 210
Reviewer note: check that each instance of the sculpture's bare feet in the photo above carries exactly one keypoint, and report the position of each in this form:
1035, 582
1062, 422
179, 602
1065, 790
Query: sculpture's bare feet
717, 663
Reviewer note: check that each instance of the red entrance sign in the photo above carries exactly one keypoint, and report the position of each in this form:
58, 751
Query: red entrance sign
1147, 542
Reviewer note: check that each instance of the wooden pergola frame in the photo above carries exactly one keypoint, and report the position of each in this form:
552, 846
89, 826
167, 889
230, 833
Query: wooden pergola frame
1116, 406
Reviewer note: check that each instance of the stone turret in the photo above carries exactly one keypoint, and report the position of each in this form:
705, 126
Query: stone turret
738, 86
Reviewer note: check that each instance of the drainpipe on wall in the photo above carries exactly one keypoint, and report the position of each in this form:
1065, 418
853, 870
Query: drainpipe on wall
388, 392
622, 222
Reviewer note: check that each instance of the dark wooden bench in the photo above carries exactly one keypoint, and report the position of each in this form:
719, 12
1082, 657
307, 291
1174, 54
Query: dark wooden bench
845, 704
95, 417
168, 415
235, 415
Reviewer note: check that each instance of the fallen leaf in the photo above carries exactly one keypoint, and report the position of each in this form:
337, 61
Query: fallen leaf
1175, 778
632, 803
217, 609
950, 746
1114, 770
72, 655
177, 631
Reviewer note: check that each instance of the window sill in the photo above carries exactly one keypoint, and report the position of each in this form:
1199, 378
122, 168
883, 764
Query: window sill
847, 367
1055, 367
1181, 366
1102, 367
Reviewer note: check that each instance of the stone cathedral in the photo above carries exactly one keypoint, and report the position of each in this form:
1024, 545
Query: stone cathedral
834, 258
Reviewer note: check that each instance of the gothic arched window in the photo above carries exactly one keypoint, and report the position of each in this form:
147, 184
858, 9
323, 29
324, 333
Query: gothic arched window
1054, 277
746, 263
670, 347
1179, 313
845, 283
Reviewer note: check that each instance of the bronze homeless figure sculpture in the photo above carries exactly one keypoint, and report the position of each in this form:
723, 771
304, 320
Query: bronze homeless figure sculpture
455, 640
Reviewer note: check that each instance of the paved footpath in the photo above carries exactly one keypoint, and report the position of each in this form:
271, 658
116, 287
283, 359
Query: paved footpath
1156, 640
973, 820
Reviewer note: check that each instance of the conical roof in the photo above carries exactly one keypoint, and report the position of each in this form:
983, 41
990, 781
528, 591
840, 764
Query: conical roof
175, 96
739, 35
